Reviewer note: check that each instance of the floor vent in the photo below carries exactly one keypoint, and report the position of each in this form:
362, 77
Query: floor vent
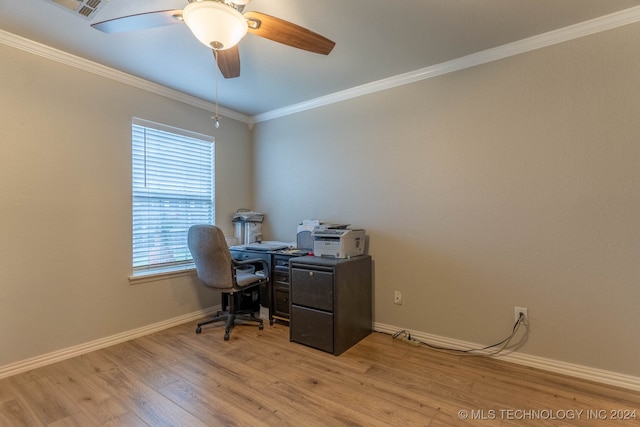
85, 8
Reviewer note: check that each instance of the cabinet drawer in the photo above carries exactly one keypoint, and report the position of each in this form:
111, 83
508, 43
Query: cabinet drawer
312, 327
281, 278
281, 263
281, 302
311, 288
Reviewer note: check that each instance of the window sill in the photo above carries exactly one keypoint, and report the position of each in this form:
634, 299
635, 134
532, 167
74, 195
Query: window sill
161, 274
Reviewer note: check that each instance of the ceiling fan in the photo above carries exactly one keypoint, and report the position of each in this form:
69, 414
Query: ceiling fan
220, 25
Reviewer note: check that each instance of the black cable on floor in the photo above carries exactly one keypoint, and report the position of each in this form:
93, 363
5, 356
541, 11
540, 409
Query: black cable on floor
464, 352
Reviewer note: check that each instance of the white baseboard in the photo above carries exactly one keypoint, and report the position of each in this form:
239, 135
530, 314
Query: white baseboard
573, 370
67, 353
578, 371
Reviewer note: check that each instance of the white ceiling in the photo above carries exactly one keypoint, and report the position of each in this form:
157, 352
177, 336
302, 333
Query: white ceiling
375, 40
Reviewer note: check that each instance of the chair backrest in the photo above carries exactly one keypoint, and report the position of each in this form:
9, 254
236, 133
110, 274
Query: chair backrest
211, 255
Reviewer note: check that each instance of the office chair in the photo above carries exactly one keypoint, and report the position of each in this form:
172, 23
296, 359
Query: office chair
217, 269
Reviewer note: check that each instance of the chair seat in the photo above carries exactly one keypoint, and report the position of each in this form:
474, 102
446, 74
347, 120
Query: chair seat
244, 278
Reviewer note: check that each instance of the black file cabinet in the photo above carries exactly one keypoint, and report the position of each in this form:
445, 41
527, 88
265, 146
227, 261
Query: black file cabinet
331, 302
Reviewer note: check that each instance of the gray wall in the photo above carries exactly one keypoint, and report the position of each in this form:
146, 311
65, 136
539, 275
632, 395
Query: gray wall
65, 205
511, 183
514, 183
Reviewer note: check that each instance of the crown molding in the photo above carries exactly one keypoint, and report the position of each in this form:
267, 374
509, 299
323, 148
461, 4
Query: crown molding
593, 26
113, 74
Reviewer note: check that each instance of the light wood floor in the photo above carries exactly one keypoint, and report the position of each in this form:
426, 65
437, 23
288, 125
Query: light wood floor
259, 378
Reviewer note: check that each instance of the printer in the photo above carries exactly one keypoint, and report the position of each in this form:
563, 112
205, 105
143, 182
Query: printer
338, 243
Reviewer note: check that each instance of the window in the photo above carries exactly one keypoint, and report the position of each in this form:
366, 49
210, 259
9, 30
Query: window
173, 188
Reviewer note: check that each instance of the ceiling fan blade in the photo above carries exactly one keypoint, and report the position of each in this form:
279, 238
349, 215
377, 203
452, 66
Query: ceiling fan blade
285, 32
141, 21
228, 61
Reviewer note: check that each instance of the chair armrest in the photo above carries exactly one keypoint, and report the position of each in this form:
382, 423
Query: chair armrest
254, 262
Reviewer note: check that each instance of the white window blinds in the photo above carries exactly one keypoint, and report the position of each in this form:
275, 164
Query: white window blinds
173, 188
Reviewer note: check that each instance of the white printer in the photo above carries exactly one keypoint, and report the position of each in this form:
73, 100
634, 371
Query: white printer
338, 243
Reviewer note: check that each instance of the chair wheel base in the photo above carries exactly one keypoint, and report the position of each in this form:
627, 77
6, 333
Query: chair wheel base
226, 336
198, 330
261, 327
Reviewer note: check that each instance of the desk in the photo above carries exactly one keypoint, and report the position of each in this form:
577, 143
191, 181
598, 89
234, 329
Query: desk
276, 294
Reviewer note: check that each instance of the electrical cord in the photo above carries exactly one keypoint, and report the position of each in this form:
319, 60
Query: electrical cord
406, 336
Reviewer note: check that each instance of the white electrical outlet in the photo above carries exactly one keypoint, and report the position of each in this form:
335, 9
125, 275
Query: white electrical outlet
524, 312
397, 297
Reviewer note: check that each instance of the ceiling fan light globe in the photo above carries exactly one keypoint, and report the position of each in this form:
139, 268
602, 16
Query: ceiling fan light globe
216, 25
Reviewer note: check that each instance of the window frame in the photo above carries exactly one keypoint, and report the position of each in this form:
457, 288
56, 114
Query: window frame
152, 272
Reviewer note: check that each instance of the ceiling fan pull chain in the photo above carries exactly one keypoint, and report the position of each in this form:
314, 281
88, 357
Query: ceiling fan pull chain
216, 116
